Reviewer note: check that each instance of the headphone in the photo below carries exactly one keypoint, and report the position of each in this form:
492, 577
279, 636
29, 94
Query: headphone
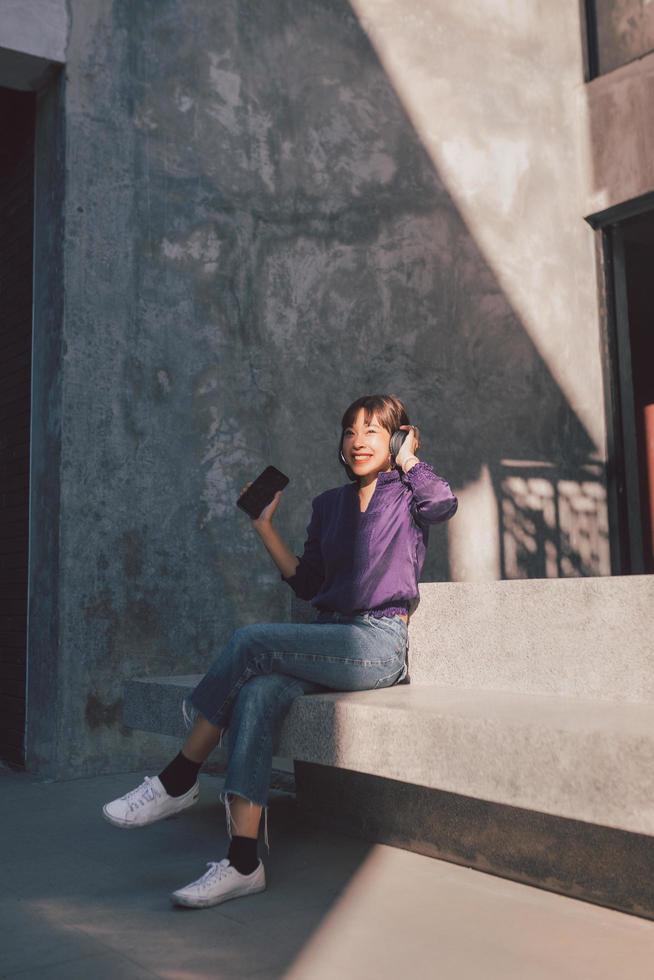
397, 439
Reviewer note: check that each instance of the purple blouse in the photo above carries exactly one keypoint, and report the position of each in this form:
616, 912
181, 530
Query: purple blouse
357, 562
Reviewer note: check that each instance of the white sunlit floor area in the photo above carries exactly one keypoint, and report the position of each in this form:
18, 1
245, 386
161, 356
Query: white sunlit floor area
84, 899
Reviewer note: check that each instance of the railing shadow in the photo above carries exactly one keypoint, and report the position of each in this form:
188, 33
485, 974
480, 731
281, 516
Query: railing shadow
553, 521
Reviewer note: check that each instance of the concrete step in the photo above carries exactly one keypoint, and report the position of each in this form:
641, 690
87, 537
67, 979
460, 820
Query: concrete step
584, 637
576, 758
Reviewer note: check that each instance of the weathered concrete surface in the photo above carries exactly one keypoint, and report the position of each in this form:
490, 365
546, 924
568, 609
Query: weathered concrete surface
581, 759
493, 91
45, 679
33, 37
589, 638
255, 235
617, 115
571, 857
35, 27
23, 72
334, 905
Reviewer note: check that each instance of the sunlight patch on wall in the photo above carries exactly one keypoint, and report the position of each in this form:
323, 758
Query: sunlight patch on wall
473, 537
496, 98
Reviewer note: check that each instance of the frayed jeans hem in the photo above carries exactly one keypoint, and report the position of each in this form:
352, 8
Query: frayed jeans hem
224, 798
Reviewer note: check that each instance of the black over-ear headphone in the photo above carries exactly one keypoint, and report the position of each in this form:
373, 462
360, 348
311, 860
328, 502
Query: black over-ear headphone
395, 445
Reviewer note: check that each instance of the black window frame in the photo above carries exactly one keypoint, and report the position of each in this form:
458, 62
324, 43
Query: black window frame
624, 501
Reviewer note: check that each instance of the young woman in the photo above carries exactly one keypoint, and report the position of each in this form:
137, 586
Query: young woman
365, 548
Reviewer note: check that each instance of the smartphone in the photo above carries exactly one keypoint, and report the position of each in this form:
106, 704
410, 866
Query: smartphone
261, 492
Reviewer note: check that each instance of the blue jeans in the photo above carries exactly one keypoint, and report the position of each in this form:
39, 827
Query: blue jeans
250, 686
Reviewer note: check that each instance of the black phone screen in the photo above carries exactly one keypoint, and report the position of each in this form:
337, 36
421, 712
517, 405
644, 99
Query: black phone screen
261, 492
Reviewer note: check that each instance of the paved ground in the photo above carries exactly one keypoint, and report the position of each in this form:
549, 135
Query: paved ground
83, 899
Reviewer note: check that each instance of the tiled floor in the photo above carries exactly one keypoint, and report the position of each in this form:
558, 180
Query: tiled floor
83, 899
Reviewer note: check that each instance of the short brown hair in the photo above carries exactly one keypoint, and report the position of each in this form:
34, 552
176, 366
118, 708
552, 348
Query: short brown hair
390, 411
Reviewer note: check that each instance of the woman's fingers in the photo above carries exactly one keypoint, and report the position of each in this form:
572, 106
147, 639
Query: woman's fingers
268, 511
416, 435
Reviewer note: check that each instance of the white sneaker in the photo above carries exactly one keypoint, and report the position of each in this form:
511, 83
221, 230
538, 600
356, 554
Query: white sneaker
221, 882
148, 803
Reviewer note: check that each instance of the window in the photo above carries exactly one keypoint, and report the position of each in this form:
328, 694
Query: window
617, 32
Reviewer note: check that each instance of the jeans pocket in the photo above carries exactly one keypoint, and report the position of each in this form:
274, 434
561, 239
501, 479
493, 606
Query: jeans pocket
395, 629
389, 679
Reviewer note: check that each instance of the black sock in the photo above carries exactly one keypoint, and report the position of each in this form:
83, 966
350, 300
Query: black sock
179, 775
243, 854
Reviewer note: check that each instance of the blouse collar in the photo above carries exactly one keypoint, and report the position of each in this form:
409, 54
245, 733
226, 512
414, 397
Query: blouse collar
386, 476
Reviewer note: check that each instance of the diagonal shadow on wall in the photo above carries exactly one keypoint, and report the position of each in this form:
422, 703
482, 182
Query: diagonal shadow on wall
330, 260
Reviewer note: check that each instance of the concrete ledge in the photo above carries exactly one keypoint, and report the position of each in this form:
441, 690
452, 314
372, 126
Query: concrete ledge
582, 637
154, 704
583, 760
597, 864
35, 27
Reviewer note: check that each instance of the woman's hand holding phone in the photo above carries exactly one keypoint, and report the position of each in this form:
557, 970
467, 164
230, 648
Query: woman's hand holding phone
259, 498
283, 557
265, 517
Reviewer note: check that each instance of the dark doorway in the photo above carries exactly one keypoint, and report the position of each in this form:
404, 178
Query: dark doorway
17, 115
629, 259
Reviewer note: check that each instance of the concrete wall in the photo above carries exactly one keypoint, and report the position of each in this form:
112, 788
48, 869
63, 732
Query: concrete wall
271, 209
46, 678
493, 92
33, 38
616, 114
35, 27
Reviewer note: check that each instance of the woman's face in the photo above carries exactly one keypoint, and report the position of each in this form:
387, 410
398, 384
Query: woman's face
366, 447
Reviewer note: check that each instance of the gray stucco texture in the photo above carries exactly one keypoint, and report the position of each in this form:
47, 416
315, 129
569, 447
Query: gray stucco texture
493, 711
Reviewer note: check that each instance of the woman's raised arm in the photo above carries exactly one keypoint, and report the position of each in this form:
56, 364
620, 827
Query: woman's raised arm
285, 560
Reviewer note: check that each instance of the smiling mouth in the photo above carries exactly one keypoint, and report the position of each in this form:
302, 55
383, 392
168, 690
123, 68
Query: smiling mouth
362, 459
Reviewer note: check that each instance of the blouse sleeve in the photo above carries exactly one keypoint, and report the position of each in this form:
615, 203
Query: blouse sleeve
432, 499
310, 573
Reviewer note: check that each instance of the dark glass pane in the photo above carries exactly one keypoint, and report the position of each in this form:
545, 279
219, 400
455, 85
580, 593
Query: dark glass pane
625, 31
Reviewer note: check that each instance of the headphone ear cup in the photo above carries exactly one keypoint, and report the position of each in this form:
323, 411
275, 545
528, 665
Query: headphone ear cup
397, 440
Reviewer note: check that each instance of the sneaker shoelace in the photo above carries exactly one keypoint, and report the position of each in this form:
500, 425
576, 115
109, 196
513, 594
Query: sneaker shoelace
144, 793
217, 869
